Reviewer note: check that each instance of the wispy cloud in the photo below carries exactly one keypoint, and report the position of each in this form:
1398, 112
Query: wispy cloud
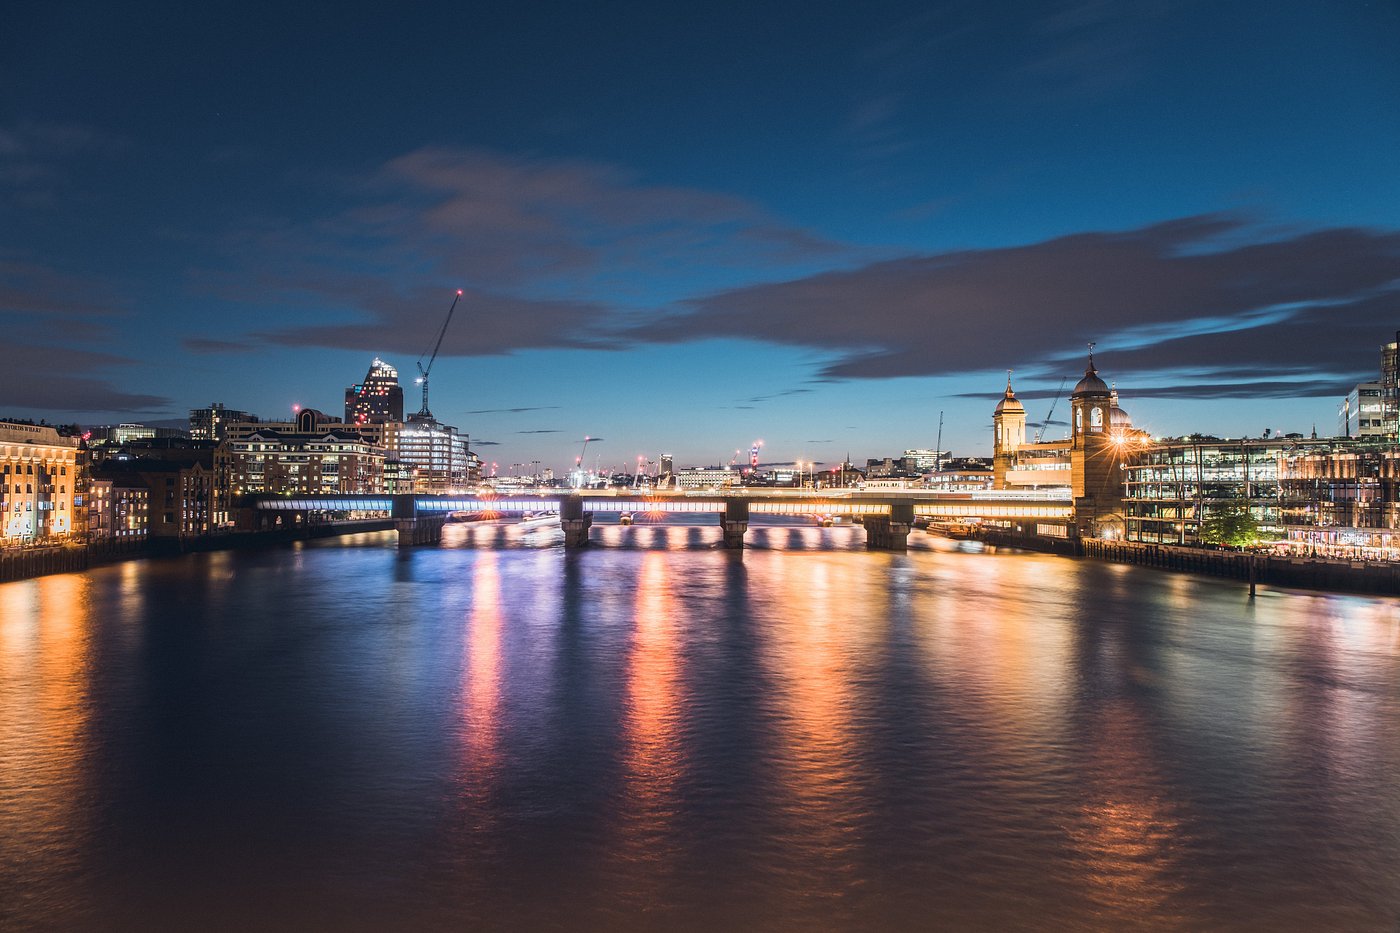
511, 411
212, 345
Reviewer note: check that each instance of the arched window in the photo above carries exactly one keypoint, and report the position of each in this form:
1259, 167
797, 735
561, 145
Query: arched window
1096, 418
1079, 419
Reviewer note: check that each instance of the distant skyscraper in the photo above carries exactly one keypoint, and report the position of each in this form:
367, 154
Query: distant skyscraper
1390, 386
377, 400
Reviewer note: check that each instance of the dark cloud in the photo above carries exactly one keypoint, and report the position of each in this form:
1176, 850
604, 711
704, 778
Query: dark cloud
407, 321
541, 431
476, 443
547, 250
1206, 297
47, 378
30, 290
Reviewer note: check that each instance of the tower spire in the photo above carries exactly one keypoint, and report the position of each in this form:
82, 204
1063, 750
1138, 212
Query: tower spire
1092, 344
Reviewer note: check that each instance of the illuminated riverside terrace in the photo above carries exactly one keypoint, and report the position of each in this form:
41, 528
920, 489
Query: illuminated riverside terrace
497, 733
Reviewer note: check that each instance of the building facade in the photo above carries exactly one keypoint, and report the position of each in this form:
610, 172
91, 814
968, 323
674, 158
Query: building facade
40, 484
1362, 413
311, 456
181, 497
119, 507
439, 458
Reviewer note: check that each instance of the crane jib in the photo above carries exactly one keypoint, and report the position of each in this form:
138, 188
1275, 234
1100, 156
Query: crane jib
423, 371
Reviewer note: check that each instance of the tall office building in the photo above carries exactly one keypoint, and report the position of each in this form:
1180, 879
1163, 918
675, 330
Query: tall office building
1363, 413
376, 400
1390, 387
438, 456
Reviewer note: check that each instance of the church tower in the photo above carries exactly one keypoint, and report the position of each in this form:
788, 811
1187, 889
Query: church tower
1095, 458
1008, 434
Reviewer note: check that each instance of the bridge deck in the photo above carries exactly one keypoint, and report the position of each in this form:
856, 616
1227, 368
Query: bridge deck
938, 506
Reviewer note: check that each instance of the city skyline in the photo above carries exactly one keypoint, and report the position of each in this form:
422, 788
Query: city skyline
810, 225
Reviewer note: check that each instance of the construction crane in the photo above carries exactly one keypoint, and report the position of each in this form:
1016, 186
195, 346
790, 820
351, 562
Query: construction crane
1040, 431
423, 371
578, 461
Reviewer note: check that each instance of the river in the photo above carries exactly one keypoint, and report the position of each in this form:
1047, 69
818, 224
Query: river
654, 734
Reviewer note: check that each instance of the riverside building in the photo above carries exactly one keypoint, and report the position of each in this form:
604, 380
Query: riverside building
310, 456
40, 484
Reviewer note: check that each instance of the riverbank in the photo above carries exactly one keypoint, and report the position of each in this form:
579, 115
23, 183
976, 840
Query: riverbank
1311, 573
28, 562
1308, 573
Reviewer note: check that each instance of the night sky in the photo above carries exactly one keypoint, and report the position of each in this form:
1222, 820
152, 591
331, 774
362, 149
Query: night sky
683, 228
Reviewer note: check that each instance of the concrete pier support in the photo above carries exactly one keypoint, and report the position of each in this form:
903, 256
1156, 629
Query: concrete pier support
735, 523
575, 522
890, 532
426, 529
405, 516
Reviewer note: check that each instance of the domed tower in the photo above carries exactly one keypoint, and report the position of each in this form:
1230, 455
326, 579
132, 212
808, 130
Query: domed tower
1095, 458
1008, 433
1118, 420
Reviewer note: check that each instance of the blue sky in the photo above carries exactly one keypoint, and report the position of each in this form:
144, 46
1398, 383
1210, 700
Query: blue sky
681, 229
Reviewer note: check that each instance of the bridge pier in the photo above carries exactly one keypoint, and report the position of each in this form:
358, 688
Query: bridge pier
734, 521
890, 532
575, 522
412, 527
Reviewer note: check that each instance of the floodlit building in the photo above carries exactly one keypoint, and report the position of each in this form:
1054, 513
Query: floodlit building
40, 484
707, 477
1088, 465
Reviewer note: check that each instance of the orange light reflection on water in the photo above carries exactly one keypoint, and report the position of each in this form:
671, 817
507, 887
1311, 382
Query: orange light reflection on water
45, 648
652, 759
812, 651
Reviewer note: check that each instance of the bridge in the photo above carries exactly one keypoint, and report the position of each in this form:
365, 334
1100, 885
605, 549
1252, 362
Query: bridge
888, 516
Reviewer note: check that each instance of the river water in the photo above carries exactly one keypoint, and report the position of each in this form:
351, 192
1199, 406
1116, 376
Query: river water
652, 734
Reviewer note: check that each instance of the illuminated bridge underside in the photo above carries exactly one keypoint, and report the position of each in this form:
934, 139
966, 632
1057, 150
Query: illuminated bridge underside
943, 508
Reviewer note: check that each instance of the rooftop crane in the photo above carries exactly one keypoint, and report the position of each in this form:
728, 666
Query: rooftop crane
1040, 431
424, 370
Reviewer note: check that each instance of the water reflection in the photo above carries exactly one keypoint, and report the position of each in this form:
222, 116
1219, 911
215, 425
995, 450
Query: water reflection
812, 651
807, 737
652, 758
481, 698
45, 658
